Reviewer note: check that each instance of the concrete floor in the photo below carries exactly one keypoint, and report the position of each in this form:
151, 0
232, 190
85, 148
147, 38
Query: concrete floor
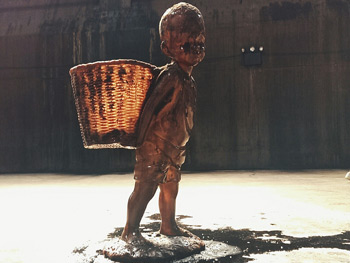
273, 216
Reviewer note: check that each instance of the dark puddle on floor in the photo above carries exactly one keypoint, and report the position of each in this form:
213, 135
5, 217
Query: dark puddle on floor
252, 242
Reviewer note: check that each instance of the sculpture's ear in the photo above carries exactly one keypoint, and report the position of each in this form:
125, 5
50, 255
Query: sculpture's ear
165, 49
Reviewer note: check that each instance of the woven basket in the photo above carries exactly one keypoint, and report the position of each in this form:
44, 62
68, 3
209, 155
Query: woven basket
109, 96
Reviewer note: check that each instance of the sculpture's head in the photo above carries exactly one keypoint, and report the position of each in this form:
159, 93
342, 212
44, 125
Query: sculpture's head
182, 34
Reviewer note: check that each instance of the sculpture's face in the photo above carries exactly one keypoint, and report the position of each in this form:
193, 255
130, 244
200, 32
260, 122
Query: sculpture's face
188, 48
185, 40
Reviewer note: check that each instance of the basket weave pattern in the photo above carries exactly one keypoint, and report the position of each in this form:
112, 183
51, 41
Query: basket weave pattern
109, 97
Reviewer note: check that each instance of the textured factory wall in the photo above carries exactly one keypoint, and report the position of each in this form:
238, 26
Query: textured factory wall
40, 40
290, 112
293, 110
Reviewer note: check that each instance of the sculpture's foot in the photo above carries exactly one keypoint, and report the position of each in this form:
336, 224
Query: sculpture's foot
135, 238
177, 231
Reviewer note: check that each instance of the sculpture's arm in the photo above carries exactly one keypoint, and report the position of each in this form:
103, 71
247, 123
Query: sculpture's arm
161, 101
170, 102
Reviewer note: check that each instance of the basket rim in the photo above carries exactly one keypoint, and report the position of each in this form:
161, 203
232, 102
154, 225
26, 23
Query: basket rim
90, 65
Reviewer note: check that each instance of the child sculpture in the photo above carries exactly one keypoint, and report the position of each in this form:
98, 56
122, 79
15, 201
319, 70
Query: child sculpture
166, 122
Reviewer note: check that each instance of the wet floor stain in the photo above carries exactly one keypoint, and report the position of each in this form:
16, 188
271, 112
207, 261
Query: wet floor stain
253, 242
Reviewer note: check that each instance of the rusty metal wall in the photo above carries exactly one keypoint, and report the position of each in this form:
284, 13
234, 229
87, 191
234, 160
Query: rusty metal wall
292, 111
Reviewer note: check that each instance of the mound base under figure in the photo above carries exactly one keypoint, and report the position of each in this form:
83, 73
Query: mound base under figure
158, 248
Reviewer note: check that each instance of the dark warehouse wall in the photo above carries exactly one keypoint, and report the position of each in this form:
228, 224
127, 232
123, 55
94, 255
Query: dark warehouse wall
290, 112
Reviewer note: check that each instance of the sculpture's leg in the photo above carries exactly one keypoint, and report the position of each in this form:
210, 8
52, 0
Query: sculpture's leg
167, 205
138, 200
